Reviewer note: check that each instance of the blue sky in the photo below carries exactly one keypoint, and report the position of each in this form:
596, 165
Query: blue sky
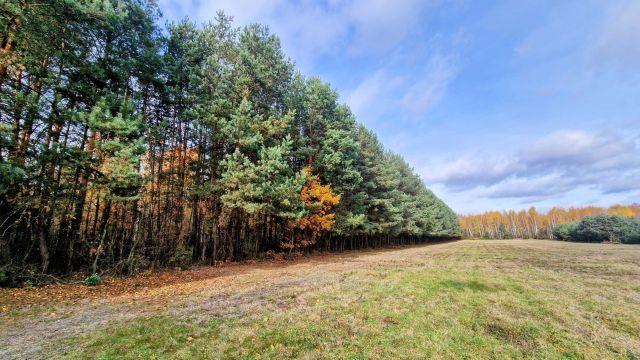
496, 104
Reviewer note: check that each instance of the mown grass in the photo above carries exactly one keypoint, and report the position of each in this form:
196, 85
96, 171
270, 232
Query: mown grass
471, 300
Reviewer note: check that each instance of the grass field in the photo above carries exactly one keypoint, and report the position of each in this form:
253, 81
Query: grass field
466, 299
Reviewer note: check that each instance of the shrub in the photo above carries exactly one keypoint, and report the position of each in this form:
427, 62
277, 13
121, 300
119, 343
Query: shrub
593, 229
564, 231
631, 233
600, 228
21, 276
92, 280
181, 258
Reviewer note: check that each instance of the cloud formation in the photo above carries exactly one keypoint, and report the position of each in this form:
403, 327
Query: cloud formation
390, 89
468, 172
576, 148
553, 165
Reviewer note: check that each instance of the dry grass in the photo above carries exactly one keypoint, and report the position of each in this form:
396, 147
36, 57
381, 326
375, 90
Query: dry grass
469, 299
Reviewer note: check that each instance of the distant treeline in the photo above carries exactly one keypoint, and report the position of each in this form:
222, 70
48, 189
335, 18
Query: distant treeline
123, 145
532, 224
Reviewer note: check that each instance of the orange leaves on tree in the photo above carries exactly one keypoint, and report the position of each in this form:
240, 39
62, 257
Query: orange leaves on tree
174, 161
319, 200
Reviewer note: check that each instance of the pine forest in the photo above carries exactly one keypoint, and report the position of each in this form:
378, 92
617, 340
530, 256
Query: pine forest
125, 146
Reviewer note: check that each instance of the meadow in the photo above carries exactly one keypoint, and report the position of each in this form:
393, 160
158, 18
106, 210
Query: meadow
461, 299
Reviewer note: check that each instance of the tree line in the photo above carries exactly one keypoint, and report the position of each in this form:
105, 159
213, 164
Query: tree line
125, 145
531, 224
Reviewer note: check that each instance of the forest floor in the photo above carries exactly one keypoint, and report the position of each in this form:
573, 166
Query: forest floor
464, 299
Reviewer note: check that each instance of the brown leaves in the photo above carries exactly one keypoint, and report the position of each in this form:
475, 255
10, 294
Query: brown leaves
110, 287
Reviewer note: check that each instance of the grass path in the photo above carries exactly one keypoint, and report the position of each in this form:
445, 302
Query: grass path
466, 299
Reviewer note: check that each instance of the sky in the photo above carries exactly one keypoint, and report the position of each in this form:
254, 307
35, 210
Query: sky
496, 104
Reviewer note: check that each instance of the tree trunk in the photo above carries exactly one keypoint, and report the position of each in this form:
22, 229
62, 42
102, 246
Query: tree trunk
104, 228
8, 44
42, 243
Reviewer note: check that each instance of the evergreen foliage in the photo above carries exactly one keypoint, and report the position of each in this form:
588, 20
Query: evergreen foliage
601, 228
122, 145
92, 280
564, 231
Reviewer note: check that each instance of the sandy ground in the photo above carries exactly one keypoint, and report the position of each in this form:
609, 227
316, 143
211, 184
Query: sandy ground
27, 327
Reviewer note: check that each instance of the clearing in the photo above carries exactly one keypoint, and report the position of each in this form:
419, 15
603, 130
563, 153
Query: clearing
464, 299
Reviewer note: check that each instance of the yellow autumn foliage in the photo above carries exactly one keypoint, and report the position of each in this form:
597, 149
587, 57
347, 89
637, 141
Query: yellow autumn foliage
319, 200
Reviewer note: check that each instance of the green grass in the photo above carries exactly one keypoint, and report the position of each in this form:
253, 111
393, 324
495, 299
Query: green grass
470, 300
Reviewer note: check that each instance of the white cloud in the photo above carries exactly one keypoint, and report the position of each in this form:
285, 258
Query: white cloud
469, 172
427, 92
526, 187
383, 91
618, 43
380, 24
371, 98
574, 146
622, 183
551, 166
